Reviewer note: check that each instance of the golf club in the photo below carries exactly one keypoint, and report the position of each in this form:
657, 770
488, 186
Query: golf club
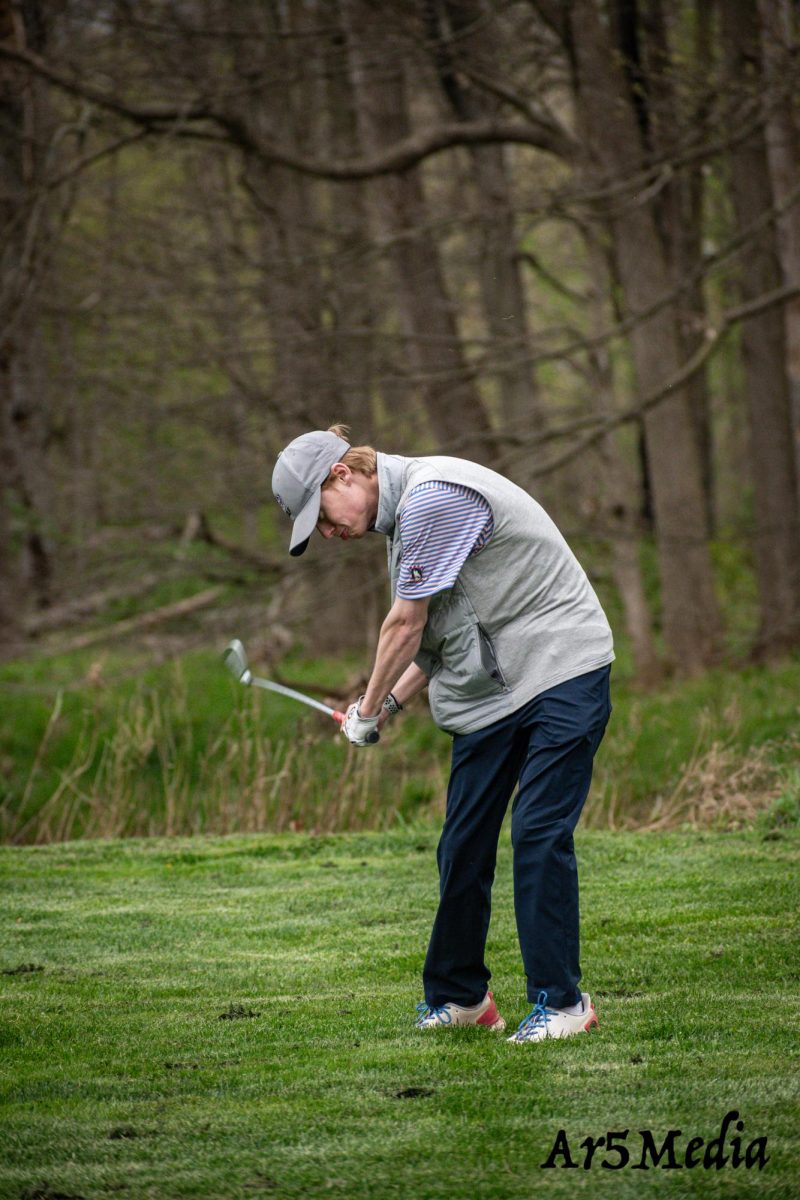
235, 659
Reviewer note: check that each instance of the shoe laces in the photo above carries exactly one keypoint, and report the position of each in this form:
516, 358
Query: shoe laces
537, 1017
440, 1012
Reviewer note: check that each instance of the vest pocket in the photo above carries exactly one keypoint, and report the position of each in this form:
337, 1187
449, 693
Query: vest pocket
488, 657
469, 666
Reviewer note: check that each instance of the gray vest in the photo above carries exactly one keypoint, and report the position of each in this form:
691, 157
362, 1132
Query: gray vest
521, 616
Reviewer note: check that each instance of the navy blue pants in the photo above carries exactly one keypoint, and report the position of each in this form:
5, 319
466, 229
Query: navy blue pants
547, 747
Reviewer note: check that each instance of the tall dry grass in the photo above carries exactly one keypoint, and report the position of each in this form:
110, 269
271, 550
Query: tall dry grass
721, 784
160, 762
151, 773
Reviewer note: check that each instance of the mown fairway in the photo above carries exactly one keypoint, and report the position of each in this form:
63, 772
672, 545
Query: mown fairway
121, 1079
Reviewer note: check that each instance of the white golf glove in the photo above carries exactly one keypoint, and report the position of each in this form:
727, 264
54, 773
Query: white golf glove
361, 731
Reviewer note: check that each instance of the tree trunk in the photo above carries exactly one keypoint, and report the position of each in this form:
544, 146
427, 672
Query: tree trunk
682, 208
271, 46
464, 37
777, 534
9, 578
359, 589
21, 465
779, 34
11, 201
608, 118
451, 401
620, 490
352, 285
213, 189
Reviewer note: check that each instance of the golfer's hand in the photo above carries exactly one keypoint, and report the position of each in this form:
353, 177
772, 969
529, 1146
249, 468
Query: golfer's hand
361, 731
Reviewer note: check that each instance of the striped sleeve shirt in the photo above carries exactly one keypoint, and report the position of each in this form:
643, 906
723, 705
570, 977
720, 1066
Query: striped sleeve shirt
441, 526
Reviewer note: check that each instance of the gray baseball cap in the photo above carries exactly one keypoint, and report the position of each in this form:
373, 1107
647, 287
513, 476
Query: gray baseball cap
297, 481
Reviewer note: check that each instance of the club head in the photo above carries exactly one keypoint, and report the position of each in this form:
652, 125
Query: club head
235, 660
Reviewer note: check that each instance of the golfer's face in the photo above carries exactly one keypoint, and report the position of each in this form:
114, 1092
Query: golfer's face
344, 510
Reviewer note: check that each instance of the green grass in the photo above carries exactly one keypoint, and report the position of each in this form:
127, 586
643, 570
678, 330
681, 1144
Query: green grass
119, 1077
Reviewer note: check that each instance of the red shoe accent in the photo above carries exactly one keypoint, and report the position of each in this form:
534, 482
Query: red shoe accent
592, 1020
491, 1015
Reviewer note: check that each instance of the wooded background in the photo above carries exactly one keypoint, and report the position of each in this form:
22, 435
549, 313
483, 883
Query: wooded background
561, 238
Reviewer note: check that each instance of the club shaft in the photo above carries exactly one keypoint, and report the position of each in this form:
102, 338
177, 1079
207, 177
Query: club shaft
269, 686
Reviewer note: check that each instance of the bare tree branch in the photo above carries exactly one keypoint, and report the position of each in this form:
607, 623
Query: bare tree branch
634, 412
198, 119
404, 155
148, 114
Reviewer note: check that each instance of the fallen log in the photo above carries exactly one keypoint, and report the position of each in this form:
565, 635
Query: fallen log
74, 611
156, 616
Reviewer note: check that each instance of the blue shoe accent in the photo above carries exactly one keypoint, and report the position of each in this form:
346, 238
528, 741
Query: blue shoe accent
535, 1019
428, 1010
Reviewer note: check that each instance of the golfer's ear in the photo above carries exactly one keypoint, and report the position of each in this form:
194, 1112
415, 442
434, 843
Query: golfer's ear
341, 471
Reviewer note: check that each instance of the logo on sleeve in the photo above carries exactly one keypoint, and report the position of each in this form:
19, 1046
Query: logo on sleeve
417, 573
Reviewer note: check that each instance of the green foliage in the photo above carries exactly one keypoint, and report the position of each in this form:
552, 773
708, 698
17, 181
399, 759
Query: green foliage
233, 1017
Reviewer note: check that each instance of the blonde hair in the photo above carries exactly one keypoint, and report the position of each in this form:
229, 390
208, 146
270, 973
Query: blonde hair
362, 459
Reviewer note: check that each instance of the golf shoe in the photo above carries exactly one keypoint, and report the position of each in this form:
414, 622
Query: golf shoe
450, 1015
542, 1022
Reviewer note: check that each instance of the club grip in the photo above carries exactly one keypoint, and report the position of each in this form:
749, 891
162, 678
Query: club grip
340, 718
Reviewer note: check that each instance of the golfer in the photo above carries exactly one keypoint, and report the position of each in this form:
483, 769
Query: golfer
491, 612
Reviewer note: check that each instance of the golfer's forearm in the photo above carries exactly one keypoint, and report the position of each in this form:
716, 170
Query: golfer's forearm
398, 645
410, 684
